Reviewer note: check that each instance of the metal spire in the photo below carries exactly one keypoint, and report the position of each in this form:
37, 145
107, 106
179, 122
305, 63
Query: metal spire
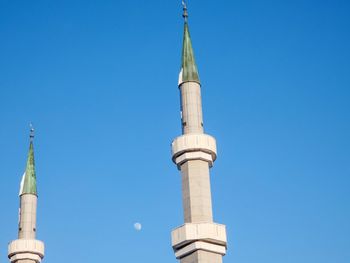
189, 71
185, 13
31, 135
28, 184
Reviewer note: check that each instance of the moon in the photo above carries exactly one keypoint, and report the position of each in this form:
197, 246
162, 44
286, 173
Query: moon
137, 226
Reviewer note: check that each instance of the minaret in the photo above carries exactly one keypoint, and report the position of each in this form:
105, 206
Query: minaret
26, 249
199, 240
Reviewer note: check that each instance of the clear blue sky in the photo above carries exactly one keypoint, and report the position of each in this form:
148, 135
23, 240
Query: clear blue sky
98, 79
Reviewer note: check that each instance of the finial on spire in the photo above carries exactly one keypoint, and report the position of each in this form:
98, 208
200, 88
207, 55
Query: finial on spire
31, 135
189, 71
185, 13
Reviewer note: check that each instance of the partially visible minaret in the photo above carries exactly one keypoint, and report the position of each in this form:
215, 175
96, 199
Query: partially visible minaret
199, 240
26, 249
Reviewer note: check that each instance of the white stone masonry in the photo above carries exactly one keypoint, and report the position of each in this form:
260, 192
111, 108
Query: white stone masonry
199, 240
26, 249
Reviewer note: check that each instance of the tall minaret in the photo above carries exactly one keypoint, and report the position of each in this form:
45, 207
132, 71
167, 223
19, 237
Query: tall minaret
199, 240
26, 249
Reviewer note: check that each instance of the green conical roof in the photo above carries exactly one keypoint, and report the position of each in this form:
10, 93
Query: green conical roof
28, 184
189, 71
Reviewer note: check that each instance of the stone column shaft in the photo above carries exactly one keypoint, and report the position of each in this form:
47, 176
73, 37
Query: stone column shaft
191, 108
27, 216
196, 193
201, 256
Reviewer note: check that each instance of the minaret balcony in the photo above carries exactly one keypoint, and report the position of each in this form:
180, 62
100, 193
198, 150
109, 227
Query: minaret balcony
22, 249
194, 147
191, 237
